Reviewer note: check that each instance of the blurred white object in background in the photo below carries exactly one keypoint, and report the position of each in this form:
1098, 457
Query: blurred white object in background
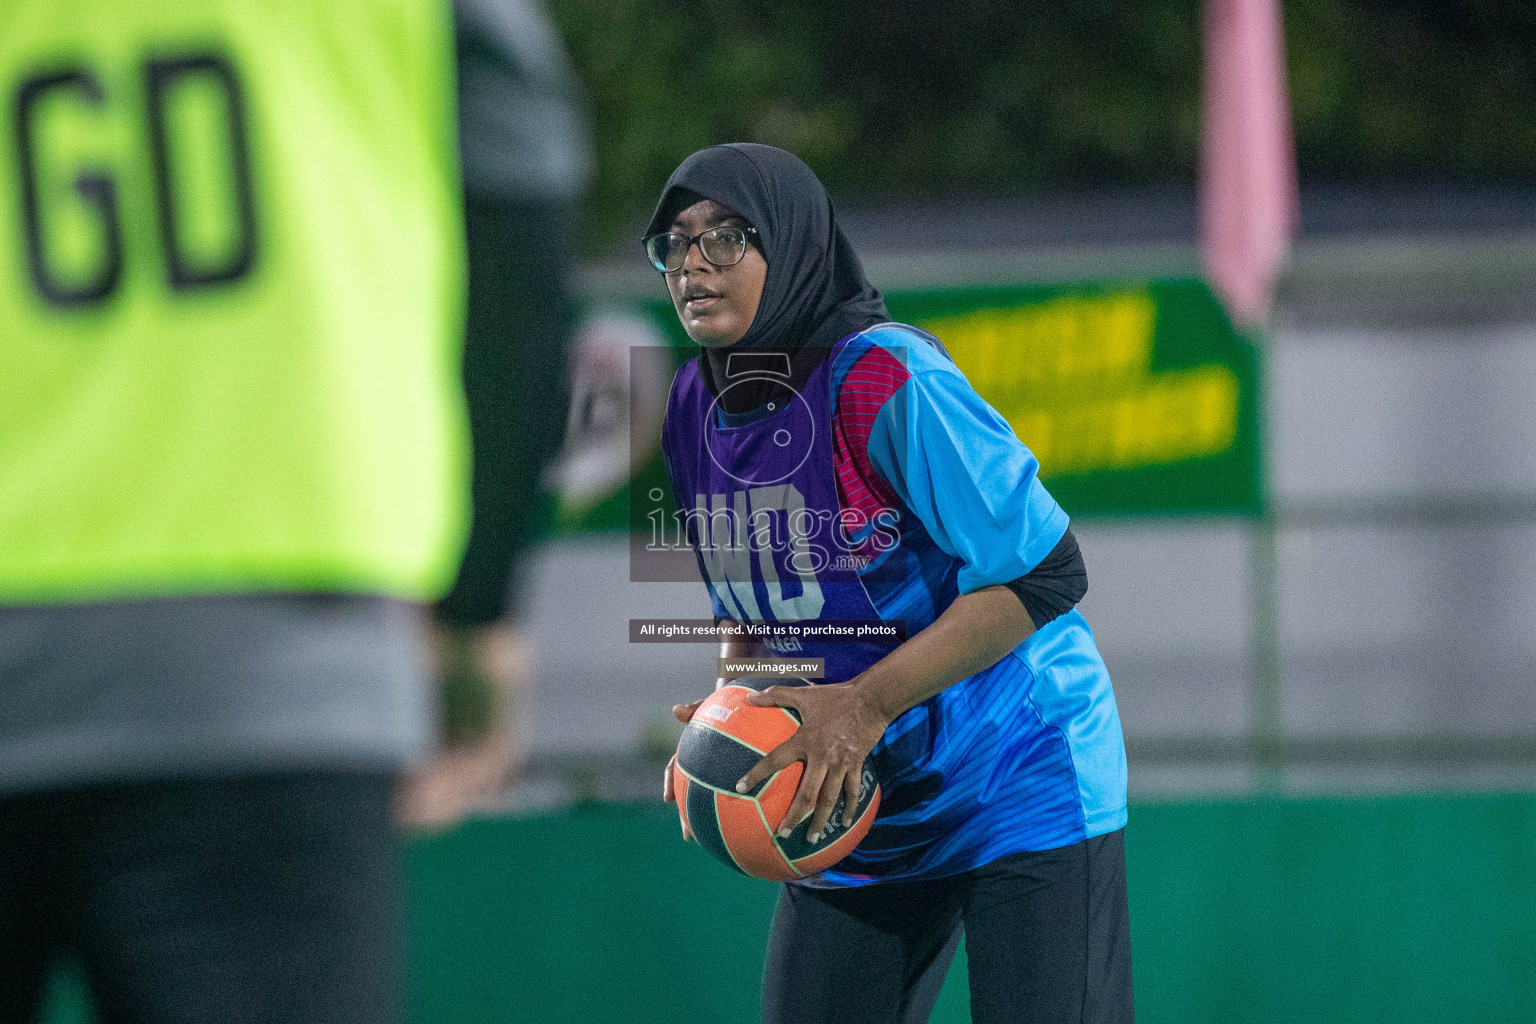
616, 408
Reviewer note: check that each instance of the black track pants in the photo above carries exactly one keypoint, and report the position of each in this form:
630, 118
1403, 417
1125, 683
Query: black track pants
1047, 936
270, 899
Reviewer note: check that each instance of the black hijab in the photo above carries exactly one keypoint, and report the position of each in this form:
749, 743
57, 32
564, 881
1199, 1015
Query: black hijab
815, 291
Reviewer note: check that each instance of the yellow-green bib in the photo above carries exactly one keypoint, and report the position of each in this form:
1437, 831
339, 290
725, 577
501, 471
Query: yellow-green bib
230, 299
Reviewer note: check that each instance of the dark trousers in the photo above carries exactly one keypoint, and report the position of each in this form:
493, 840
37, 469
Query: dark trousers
271, 899
1047, 936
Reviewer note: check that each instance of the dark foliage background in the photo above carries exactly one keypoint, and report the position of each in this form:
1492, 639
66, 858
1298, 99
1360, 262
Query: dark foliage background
913, 98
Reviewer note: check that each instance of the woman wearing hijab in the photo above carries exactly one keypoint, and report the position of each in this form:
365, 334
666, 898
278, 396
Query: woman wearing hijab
876, 485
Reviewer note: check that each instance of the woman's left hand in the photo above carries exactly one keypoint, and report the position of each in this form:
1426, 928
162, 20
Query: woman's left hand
838, 729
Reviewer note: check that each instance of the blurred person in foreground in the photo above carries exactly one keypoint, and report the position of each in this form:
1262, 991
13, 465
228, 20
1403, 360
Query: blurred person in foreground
234, 481
992, 726
526, 156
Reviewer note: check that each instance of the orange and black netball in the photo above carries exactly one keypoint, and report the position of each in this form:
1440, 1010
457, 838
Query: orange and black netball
726, 737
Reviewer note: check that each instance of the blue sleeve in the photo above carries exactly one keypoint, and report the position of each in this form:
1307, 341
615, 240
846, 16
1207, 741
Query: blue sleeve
961, 470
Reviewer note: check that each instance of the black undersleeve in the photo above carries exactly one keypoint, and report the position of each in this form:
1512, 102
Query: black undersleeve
1050, 589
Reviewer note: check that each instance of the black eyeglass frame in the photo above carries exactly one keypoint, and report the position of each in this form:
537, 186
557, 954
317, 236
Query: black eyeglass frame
748, 234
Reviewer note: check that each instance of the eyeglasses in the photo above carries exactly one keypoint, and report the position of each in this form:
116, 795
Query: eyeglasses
722, 246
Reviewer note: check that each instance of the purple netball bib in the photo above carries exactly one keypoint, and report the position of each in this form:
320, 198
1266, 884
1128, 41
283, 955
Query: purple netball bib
760, 506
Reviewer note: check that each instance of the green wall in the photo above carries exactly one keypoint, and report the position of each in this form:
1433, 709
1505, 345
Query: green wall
1396, 910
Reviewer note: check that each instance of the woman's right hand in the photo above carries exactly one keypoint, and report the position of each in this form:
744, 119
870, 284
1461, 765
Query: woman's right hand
683, 713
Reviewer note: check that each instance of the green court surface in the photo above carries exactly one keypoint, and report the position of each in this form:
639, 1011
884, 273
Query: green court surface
1400, 909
